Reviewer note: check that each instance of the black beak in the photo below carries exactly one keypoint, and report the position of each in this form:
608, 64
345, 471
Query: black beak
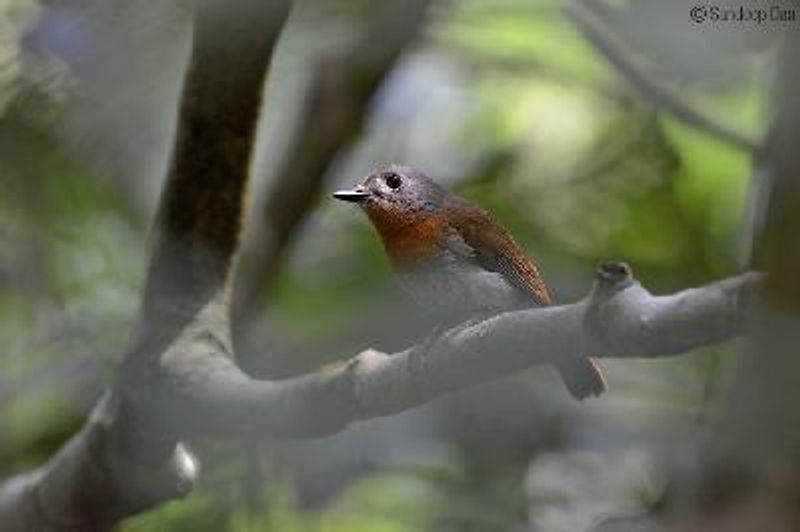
353, 196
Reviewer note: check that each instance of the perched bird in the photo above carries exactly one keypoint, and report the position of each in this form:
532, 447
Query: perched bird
454, 259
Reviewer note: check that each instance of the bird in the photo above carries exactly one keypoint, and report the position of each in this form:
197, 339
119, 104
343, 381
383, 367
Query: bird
455, 260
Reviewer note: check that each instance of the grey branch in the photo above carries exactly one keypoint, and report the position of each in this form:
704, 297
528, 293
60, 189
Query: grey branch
619, 318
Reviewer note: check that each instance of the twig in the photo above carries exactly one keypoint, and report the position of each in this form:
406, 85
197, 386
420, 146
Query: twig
656, 94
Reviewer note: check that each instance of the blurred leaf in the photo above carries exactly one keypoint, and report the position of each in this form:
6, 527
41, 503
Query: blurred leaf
537, 37
712, 180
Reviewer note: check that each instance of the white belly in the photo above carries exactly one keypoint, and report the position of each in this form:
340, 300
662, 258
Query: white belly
459, 289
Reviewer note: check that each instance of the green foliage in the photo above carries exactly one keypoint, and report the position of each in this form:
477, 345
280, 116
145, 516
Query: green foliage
712, 179
528, 37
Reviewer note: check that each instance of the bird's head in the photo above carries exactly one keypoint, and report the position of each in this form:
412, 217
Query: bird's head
396, 196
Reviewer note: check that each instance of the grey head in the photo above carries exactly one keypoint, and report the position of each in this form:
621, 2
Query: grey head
396, 188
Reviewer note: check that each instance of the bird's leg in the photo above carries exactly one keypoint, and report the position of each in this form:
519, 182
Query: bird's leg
483, 315
441, 329
438, 331
474, 320
419, 354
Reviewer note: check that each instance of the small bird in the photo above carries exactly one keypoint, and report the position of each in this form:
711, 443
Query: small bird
454, 259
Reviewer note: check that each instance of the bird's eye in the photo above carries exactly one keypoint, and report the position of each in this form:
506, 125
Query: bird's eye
393, 181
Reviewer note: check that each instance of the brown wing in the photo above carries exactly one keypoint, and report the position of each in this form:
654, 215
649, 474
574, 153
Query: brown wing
494, 249
477, 235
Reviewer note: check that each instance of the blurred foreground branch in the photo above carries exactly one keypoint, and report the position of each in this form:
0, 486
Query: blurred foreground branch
337, 104
128, 458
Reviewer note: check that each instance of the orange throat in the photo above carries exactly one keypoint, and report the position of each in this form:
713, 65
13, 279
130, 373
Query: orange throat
409, 239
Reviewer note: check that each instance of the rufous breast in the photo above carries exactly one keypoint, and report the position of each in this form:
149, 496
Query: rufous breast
410, 239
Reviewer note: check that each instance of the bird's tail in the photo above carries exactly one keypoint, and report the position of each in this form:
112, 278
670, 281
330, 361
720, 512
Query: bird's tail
583, 377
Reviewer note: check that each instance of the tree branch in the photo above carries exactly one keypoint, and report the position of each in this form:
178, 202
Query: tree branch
128, 458
651, 90
619, 318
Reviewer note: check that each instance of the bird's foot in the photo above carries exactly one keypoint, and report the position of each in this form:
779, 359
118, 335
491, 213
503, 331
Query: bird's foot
434, 336
420, 353
476, 319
